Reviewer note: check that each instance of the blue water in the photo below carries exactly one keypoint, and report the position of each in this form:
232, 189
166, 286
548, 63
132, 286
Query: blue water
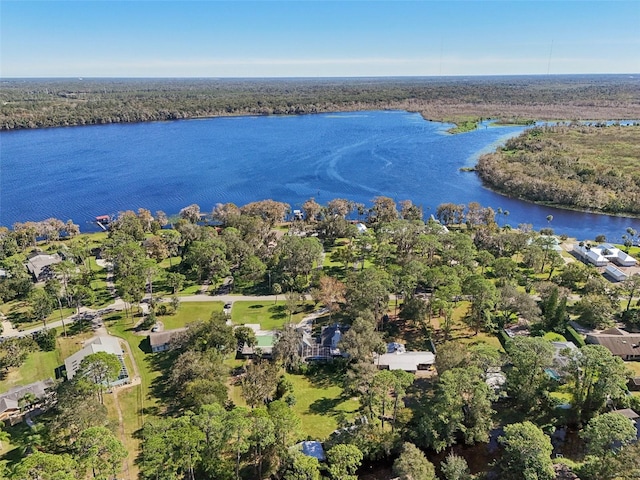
81, 172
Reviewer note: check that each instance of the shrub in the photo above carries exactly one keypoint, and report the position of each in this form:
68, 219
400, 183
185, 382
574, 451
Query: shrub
574, 336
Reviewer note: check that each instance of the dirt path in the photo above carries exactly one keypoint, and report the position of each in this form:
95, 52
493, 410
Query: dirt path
121, 432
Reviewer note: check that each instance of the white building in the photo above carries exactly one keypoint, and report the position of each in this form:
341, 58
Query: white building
602, 255
95, 345
615, 273
397, 358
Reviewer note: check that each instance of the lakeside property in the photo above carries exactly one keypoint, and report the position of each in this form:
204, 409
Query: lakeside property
360, 337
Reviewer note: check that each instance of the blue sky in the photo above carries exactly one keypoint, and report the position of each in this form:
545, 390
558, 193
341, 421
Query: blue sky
311, 39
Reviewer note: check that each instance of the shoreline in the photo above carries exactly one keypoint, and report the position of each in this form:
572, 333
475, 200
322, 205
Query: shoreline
551, 205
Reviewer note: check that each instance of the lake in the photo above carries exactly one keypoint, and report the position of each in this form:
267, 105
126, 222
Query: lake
82, 172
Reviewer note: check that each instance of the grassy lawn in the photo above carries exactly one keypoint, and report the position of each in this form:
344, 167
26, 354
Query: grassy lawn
128, 400
269, 315
38, 366
190, 312
634, 367
41, 365
320, 404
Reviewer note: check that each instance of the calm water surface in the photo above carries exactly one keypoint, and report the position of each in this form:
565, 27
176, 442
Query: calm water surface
81, 172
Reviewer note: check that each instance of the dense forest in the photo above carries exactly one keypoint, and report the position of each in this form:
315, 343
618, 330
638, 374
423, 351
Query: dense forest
576, 166
35, 103
201, 411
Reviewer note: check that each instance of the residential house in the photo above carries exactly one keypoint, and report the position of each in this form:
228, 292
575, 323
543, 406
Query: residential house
619, 342
40, 393
159, 341
95, 345
324, 347
601, 255
39, 265
634, 384
397, 358
590, 255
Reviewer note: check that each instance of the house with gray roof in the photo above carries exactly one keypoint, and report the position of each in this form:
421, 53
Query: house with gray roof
160, 341
398, 358
39, 265
95, 345
40, 392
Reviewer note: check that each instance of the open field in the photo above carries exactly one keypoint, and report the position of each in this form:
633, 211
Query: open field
190, 312
270, 315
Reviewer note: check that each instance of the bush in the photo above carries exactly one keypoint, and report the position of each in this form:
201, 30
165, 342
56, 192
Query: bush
148, 321
505, 339
46, 339
574, 336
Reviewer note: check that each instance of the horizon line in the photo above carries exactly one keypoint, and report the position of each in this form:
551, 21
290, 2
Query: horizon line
219, 77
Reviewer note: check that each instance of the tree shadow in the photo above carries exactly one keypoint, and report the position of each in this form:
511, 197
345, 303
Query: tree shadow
278, 311
326, 374
325, 406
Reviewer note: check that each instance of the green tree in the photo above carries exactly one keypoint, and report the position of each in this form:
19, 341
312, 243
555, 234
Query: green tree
287, 424
368, 290
244, 335
595, 376
526, 453
259, 383
608, 432
527, 380
287, 347
263, 436
238, 426
198, 378
362, 340
100, 451
45, 466
185, 439
461, 405
210, 420
302, 467
175, 281
413, 465
4, 436
99, 370
14, 351
630, 287
483, 299
344, 461
451, 355
42, 304
594, 310
76, 410
455, 467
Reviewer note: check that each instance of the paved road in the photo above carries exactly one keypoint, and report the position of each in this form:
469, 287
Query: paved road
91, 315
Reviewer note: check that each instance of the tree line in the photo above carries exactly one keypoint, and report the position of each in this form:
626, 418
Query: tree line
37, 103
